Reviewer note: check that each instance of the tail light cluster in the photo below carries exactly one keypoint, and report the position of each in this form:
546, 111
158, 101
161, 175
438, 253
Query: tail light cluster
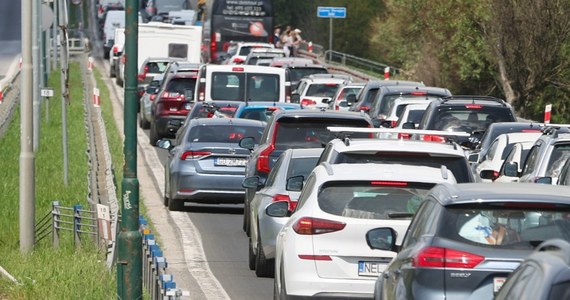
437, 257
115, 50
307, 102
434, 138
312, 226
194, 154
142, 76
238, 60
263, 159
364, 108
283, 197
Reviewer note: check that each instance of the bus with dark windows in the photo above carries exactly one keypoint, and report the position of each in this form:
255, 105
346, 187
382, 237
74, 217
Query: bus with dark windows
236, 21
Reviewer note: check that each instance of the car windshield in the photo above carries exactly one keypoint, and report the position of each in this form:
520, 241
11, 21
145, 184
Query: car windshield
297, 73
223, 133
245, 86
456, 164
506, 224
311, 133
372, 199
469, 118
322, 90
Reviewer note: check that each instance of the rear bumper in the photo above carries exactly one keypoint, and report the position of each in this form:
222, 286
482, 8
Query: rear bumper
209, 188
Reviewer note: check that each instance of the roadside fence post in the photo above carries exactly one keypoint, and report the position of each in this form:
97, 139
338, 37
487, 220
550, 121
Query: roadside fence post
77, 224
55, 224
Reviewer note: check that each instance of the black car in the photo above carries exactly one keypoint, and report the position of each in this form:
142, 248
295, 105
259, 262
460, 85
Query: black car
467, 114
465, 239
544, 275
289, 129
364, 99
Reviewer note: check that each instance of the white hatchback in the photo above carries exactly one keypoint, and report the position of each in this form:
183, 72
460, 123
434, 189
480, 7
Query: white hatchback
323, 249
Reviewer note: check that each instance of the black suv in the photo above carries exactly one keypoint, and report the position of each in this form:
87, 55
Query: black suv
470, 114
290, 129
368, 93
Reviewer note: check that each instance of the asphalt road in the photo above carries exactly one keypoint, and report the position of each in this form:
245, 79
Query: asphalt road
10, 34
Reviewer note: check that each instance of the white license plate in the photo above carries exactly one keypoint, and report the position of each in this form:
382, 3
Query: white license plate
230, 162
498, 283
371, 268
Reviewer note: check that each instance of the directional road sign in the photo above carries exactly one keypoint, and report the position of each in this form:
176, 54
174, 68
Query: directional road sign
331, 12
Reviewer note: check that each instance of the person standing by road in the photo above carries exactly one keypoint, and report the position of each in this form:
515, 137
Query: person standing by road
297, 40
277, 37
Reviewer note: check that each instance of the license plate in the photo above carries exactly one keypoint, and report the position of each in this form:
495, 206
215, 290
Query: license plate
371, 268
230, 162
498, 283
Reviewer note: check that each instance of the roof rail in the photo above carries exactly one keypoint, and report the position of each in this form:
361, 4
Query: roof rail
474, 97
555, 130
396, 130
556, 245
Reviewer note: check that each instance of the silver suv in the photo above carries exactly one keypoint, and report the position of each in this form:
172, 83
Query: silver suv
545, 158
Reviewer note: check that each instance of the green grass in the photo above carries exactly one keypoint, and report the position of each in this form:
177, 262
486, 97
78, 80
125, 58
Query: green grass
48, 273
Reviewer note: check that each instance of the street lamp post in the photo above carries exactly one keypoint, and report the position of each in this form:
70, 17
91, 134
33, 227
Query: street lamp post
129, 260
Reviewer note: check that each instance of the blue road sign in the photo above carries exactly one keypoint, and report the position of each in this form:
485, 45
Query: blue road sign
331, 12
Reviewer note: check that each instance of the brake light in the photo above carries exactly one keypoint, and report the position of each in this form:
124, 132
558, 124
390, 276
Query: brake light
306, 102
152, 97
434, 138
393, 123
272, 108
404, 136
315, 257
310, 226
142, 76
263, 160
331, 84
537, 206
436, 257
418, 93
495, 175
238, 69
336, 107
115, 50
213, 46
194, 154
389, 183
364, 108
473, 106
238, 60
530, 130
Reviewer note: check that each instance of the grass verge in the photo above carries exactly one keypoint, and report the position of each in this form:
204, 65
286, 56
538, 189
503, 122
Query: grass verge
48, 273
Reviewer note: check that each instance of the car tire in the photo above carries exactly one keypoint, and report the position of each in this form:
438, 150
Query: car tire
251, 256
153, 135
175, 205
144, 124
166, 198
118, 81
112, 72
263, 267
245, 217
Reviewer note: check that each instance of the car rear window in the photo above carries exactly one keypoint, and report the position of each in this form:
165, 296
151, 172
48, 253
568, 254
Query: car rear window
322, 90
506, 224
245, 86
458, 165
312, 132
183, 86
223, 133
301, 166
469, 118
372, 199
297, 73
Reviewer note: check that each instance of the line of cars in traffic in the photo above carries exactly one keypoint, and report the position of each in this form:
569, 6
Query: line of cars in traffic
337, 205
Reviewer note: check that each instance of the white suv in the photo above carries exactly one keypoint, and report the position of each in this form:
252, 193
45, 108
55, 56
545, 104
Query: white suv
324, 248
237, 52
317, 90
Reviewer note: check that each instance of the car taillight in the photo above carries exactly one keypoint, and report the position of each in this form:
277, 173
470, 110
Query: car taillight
202, 90
315, 257
115, 50
142, 76
418, 93
152, 10
336, 107
306, 102
473, 106
436, 257
393, 123
152, 97
404, 136
495, 175
364, 108
283, 197
194, 154
389, 183
310, 226
434, 138
263, 160
141, 93
238, 60
171, 95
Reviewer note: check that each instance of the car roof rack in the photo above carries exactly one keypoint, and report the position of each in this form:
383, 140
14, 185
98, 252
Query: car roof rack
554, 129
331, 75
474, 98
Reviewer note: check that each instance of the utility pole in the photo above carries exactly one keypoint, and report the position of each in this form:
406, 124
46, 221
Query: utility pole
129, 259
27, 165
62, 16
36, 22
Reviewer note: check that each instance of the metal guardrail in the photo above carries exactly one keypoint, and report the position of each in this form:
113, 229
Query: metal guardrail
156, 280
335, 57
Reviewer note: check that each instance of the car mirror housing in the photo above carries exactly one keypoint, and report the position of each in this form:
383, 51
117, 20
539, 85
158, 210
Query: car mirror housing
512, 169
164, 144
383, 238
279, 209
247, 143
544, 180
295, 183
489, 174
295, 98
251, 182
473, 157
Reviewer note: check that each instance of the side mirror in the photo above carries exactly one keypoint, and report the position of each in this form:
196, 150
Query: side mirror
152, 90
544, 180
295, 98
247, 143
351, 99
473, 157
326, 100
512, 169
409, 125
295, 183
251, 182
488, 174
279, 209
383, 238
164, 144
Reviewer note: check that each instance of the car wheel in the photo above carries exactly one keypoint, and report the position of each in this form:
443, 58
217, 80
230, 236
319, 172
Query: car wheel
153, 135
245, 217
251, 256
143, 123
166, 191
112, 72
175, 205
263, 267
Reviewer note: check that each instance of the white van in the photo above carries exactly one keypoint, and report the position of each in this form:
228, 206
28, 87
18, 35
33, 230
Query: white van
115, 19
116, 51
247, 83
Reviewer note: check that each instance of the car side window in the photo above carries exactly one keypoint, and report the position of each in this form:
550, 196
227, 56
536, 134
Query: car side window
273, 173
419, 224
306, 192
324, 156
531, 160
491, 153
